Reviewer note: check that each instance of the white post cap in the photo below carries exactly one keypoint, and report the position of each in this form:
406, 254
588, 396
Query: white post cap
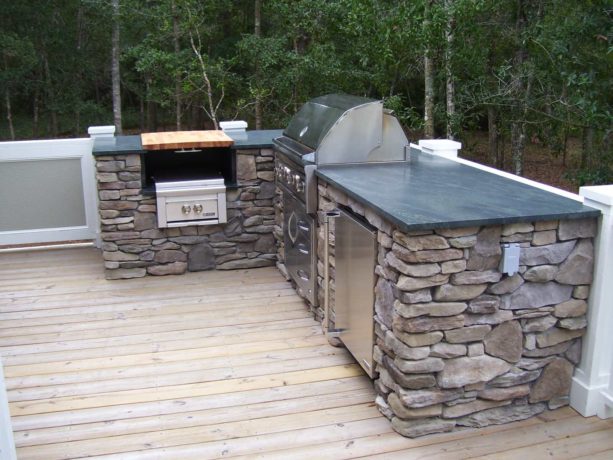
101, 131
441, 147
600, 193
238, 125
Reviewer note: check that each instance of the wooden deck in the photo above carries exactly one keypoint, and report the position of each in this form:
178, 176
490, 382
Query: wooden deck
205, 365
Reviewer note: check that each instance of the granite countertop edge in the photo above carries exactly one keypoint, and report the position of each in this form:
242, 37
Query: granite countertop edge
131, 144
404, 225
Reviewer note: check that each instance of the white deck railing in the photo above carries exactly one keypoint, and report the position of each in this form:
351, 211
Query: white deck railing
7, 443
47, 191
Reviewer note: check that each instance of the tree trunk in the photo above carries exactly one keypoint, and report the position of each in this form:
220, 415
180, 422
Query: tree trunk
492, 135
141, 118
9, 113
53, 128
566, 126
177, 49
196, 122
151, 109
115, 73
258, 34
587, 149
521, 88
518, 144
502, 143
428, 77
450, 84
212, 109
80, 27
152, 119
35, 113
77, 121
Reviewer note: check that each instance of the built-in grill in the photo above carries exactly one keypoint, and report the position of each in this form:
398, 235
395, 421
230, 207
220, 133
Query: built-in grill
191, 202
331, 129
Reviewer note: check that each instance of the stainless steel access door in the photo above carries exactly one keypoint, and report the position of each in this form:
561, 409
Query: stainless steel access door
300, 246
355, 255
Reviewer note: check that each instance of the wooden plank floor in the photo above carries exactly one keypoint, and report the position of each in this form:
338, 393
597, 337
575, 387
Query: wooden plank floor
208, 365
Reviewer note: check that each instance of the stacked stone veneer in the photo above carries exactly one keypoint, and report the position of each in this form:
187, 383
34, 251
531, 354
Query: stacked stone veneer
133, 246
458, 343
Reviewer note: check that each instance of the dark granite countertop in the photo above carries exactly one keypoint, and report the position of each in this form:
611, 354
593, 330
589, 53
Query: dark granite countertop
429, 192
117, 145
122, 145
260, 139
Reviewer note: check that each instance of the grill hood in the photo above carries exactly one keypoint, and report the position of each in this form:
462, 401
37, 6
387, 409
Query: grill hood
340, 129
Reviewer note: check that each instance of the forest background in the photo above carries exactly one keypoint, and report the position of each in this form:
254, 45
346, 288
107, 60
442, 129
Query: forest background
524, 84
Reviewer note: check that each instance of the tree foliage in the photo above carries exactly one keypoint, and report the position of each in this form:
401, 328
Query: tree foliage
524, 69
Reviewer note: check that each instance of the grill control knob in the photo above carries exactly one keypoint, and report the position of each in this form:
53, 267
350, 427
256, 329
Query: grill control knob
290, 179
197, 208
186, 209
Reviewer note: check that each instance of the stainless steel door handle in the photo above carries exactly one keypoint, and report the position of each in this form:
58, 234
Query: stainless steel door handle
292, 231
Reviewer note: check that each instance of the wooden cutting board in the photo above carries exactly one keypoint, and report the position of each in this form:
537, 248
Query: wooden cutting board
185, 140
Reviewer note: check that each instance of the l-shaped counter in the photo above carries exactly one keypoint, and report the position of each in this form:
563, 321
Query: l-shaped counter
458, 342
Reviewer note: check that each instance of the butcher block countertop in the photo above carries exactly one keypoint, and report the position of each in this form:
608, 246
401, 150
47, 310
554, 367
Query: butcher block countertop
185, 140
123, 145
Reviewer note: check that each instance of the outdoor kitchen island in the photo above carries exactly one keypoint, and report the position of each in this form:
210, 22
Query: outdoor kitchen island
455, 342
458, 343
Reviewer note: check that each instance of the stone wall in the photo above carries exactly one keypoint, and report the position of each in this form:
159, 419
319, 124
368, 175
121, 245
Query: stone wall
458, 343
133, 246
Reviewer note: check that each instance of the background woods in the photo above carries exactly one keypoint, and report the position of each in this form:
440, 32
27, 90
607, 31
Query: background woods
527, 72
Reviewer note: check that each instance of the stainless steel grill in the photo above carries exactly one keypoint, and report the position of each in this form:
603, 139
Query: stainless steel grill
191, 202
331, 129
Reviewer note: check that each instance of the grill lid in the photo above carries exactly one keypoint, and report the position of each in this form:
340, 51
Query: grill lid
312, 122
340, 129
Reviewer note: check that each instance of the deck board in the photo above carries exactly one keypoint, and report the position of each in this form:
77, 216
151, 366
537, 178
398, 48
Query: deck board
207, 365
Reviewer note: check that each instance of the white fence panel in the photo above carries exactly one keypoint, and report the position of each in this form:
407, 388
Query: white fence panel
47, 191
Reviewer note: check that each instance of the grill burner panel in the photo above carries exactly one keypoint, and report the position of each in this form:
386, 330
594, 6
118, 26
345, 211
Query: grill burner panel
196, 202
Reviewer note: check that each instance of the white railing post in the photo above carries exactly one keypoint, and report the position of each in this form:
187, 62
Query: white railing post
592, 387
7, 442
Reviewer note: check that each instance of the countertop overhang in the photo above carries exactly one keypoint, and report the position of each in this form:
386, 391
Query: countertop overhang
430, 192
